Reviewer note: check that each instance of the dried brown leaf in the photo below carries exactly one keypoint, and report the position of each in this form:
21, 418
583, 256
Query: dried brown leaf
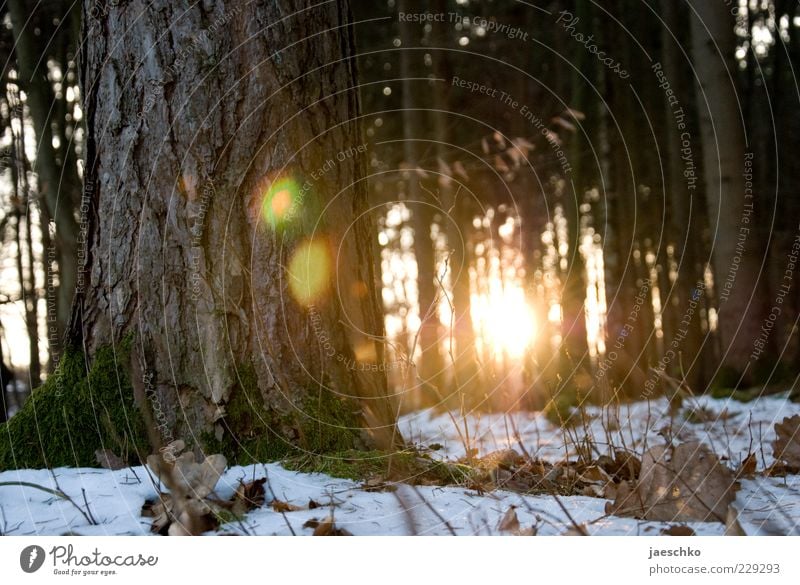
594, 475
249, 496
627, 466
509, 523
160, 511
328, 527
281, 506
786, 446
732, 525
593, 491
682, 484
748, 466
503, 458
194, 518
378, 484
108, 460
185, 475
678, 530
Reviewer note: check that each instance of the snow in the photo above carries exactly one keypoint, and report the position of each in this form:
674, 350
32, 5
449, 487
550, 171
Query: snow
115, 498
732, 429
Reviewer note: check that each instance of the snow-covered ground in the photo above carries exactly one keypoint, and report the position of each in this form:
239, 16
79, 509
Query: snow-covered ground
115, 498
730, 428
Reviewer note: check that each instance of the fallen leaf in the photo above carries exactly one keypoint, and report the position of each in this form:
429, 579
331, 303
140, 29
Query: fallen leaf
194, 518
577, 530
786, 446
281, 506
248, 496
777, 469
188, 476
678, 530
328, 528
108, 460
627, 466
377, 484
682, 484
509, 522
185, 511
748, 466
594, 475
160, 511
502, 458
732, 525
593, 491
610, 491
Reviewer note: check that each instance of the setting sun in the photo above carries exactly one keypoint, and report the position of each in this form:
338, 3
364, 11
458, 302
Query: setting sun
505, 321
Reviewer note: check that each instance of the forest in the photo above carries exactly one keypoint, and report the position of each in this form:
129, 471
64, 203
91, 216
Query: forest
257, 255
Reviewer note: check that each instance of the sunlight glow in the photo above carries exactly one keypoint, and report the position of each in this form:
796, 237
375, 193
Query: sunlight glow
505, 320
309, 272
280, 201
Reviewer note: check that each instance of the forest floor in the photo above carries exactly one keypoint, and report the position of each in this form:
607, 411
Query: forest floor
510, 449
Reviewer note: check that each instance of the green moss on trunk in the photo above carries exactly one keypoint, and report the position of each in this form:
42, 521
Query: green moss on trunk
323, 423
76, 412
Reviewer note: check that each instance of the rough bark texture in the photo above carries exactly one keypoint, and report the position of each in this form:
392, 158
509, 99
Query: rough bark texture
733, 212
194, 112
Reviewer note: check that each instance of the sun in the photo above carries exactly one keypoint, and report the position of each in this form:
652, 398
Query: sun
504, 320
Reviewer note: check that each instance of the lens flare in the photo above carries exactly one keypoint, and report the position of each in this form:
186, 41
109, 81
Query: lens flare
309, 272
280, 202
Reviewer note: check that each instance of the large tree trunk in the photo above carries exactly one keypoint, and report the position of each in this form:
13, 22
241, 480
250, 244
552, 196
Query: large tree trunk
227, 227
734, 212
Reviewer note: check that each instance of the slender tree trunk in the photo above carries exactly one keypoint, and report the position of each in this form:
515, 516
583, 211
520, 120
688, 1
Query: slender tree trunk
24, 245
682, 308
33, 80
457, 225
32, 300
6, 377
227, 227
430, 366
734, 213
575, 350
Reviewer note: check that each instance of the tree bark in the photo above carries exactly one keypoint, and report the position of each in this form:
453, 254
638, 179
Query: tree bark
226, 223
734, 213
